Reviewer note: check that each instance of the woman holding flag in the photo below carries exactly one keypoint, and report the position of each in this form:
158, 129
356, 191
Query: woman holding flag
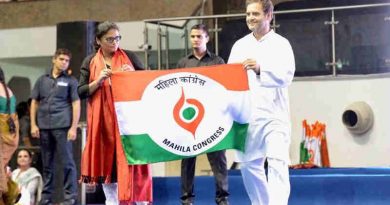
134, 181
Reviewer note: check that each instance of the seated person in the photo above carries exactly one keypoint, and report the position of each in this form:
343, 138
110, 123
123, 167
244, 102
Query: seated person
28, 179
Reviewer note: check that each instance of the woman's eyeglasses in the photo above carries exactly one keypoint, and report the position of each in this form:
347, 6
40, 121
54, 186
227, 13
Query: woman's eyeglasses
112, 39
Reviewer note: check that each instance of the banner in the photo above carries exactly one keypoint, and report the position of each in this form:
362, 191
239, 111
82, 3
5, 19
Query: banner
172, 114
314, 147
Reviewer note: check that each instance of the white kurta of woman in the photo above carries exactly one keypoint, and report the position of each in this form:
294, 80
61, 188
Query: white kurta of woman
269, 92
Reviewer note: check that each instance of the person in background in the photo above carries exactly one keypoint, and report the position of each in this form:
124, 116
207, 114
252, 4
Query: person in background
9, 138
25, 138
200, 56
269, 59
54, 115
28, 178
134, 181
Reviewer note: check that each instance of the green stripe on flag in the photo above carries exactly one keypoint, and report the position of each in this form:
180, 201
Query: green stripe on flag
141, 149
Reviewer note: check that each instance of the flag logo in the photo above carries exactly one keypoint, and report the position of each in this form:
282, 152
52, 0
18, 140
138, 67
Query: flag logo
188, 115
190, 103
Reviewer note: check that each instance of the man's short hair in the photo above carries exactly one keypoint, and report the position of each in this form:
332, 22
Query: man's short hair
62, 51
268, 7
202, 27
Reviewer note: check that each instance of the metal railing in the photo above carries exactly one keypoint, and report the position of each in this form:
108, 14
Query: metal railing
216, 29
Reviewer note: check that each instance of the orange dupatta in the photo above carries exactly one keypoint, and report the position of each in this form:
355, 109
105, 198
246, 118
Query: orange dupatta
134, 181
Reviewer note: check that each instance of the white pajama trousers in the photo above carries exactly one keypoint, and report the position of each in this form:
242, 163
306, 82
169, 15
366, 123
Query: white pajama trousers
111, 194
275, 190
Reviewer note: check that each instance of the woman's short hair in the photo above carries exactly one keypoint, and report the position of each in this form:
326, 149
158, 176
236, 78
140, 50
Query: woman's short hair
102, 29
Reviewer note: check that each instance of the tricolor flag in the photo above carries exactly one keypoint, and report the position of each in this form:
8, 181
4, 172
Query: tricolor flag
172, 114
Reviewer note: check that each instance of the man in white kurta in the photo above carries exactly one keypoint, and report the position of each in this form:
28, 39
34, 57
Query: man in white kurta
269, 59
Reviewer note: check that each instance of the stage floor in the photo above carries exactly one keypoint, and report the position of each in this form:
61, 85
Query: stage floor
321, 186
329, 186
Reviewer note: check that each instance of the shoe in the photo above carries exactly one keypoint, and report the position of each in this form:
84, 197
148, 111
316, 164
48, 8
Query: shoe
187, 202
222, 201
187, 199
70, 202
45, 202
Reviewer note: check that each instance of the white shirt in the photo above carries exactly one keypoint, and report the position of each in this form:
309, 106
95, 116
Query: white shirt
270, 122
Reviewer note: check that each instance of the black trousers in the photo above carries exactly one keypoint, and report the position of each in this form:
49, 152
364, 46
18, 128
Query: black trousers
52, 141
218, 165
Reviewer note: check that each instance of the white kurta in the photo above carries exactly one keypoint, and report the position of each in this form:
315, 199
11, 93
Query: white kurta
269, 129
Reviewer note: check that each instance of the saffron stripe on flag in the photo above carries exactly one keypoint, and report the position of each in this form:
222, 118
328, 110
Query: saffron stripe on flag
218, 73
